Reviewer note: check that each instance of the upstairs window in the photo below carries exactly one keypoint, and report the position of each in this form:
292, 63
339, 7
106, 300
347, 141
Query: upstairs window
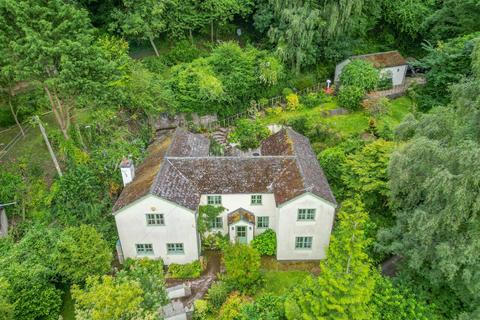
306, 215
144, 249
262, 222
155, 219
214, 200
256, 199
217, 223
303, 242
175, 248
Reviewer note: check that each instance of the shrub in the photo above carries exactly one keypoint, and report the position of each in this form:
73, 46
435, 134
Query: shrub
201, 309
183, 52
377, 107
293, 103
242, 265
185, 271
248, 133
274, 111
361, 74
215, 241
311, 100
230, 310
286, 91
217, 294
266, 243
350, 97
298, 124
265, 307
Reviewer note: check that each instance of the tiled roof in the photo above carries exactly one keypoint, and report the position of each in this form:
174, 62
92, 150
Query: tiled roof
383, 59
241, 214
287, 168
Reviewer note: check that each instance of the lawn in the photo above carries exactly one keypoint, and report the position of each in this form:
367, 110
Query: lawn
282, 277
353, 123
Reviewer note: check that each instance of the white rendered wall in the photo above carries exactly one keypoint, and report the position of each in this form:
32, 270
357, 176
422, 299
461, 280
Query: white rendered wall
398, 74
180, 227
289, 228
232, 202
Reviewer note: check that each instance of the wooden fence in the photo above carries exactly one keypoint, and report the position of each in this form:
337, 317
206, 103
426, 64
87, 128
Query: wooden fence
255, 107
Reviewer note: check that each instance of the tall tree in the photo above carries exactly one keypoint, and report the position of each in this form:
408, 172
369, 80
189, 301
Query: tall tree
144, 19
346, 283
435, 190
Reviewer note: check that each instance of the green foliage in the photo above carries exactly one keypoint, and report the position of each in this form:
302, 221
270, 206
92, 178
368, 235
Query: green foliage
82, 252
350, 97
7, 309
266, 307
242, 266
266, 243
215, 241
398, 303
149, 274
345, 286
206, 215
365, 174
106, 298
217, 294
407, 16
200, 309
248, 133
360, 74
331, 161
231, 309
190, 270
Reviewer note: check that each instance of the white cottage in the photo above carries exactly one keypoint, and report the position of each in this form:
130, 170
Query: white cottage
283, 188
391, 65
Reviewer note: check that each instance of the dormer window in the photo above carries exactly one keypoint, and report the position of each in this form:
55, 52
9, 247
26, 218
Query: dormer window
214, 200
256, 199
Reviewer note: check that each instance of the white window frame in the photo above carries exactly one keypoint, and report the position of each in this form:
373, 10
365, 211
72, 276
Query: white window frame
173, 248
306, 214
256, 199
214, 200
217, 223
144, 249
303, 243
261, 224
155, 219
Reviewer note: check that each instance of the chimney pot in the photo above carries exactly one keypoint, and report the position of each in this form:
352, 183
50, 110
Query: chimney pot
128, 170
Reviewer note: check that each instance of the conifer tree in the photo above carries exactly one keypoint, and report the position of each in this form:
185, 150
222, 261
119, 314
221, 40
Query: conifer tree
346, 282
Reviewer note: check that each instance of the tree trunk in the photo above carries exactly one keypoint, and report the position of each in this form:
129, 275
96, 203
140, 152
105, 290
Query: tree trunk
211, 30
191, 35
15, 115
49, 147
55, 111
154, 46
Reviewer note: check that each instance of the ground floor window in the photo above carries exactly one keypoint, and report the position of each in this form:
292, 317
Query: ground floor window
262, 222
144, 249
175, 248
303, 242
217, 223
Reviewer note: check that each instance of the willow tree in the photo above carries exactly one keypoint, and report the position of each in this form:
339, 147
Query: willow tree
339, 17
345, 286
295, 35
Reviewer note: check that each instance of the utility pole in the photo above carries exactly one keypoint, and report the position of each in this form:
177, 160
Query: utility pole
49, 146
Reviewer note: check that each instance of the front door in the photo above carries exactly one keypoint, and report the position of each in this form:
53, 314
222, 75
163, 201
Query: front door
242, 234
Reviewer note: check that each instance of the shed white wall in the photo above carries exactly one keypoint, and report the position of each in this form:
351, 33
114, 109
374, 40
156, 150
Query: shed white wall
231, 202
398, 74
339, 68
180, 227
289, 228
3, 223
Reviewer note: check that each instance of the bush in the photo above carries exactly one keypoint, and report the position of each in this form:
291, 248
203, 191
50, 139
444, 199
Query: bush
215, 241
298, 124
293, 103
217, 294
200, 310
377, 107
350, 97
311, 100
242, 265
266, 243
266, 307
248, 133
185, 271
287, 91
361, 74
183, 52
230, 310
273, 111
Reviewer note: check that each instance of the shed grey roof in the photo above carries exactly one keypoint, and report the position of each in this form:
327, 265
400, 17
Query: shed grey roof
287, 168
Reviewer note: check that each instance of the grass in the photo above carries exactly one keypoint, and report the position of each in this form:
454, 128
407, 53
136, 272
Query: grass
282, 277
353, 123
68, 310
